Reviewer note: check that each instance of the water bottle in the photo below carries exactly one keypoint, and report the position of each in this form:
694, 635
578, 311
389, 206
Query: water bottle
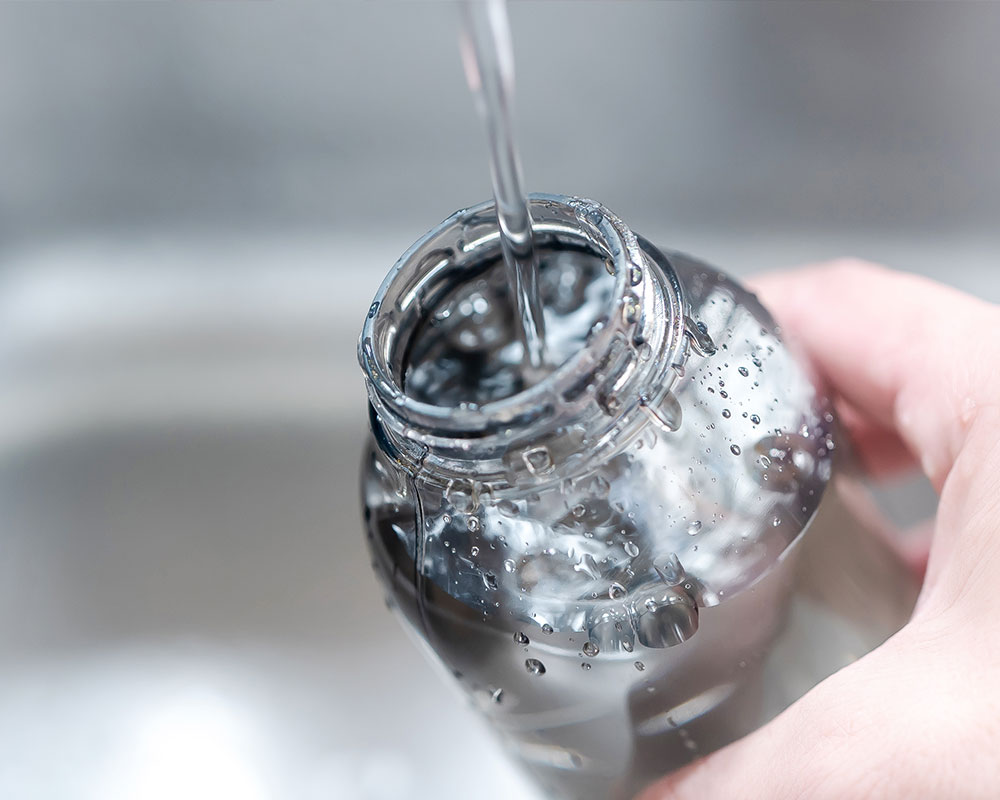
639, 554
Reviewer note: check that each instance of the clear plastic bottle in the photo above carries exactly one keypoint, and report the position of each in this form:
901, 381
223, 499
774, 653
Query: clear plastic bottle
634, 557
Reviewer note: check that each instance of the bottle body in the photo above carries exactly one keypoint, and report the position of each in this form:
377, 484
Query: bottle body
655, 577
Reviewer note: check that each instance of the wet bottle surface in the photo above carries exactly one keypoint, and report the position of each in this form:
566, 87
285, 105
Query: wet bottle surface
637, 553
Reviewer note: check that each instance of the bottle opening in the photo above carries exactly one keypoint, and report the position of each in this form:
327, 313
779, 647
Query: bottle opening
440, 352
468, 349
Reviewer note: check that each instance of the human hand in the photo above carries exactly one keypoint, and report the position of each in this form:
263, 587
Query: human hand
915, 368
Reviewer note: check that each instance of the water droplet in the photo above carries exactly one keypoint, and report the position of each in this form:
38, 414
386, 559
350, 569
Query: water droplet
585, 666
726, 413
631, 548
610, 629
599, 486
509, 565
635, 275
627, 645
497, 696
534, 666
616, 591
474, 551
520, 638
776, 522
649, 438
537, 460
464, 498
546, 628
698, 337
694, 527
508, 508
473, 524
590, 649
755, 419
645, 352
667, 616
588, 566
744, 372
640, 666
735, 449
803, 461
579, 510
666, 413
490, 580
611, 404
630, 309
670, 571
785, 461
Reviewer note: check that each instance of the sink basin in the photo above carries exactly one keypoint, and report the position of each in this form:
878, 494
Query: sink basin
186, 606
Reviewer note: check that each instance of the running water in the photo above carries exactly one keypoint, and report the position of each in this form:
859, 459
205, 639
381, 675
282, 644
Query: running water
489, 67
467, 350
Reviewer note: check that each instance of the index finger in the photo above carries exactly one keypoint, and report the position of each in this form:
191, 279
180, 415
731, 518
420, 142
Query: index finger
908, 354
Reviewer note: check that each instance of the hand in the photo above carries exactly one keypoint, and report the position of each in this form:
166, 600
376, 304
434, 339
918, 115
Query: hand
915, 368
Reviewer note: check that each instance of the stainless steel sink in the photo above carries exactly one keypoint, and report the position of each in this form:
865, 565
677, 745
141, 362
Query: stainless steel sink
186, 608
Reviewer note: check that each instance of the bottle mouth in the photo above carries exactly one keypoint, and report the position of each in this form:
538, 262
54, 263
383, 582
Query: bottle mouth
461, 245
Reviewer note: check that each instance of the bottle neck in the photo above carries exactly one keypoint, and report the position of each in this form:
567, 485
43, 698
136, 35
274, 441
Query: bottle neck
619, 381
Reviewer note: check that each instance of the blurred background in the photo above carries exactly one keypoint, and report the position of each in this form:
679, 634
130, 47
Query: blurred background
197, 202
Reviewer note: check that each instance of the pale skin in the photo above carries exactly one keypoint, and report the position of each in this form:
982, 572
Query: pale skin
915, 369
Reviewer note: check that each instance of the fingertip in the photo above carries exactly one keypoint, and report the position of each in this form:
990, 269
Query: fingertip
781, 288
895, 346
